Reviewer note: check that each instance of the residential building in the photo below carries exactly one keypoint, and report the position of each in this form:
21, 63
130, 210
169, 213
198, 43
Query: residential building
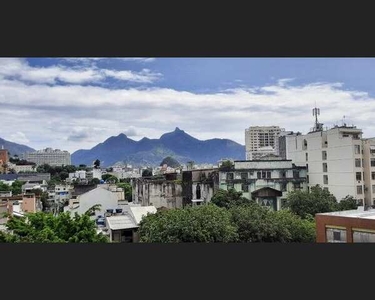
262, 140
28, 204
4, 158
368, 148
349, 226
33, 185
23, 168
52, 157
160, 192
34, 176
123, 225
265, 181
8, 178
106, 198
334, 159
199, 186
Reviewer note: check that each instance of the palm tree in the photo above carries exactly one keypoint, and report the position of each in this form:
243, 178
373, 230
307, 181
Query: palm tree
91, 211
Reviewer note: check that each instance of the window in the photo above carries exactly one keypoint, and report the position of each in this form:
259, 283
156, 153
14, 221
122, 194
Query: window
358, 176
230, 186
373, 175
230, 176
297, 185
198, 191
372, 150
324, 155
259, 175
283, 186
325, 167
372, 162
326, 189
357, 162
363, 237
268, 174
373, 188
304, 145
264, 174
307, 178
245, 188
357, 149
325, 179
244, 175
295, 174
283, 174
307, 167
359, 189
336, 235
307, 156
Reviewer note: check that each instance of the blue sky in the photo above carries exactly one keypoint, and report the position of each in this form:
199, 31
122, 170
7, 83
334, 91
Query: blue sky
74, 103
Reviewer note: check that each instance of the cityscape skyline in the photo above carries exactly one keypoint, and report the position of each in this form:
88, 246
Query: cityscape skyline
77, 103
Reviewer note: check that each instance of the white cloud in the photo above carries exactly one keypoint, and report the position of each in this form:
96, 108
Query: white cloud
91, 59
16, 68
72, 117
19, 137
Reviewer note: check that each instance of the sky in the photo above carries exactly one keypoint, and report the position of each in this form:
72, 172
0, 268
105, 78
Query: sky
76, 103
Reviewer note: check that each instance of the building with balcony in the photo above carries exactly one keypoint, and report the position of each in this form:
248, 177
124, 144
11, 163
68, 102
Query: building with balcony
261, 141
52, 157
265, 181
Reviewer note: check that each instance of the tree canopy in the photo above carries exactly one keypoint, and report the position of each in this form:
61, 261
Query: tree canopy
110, 178
127, 190
306, 204
224, 198
170, 162
97, 164
146, 173
206, 223
43, 227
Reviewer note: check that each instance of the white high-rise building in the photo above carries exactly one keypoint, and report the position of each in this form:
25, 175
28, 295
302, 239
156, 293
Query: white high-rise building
337, 159
261, 141
49, 156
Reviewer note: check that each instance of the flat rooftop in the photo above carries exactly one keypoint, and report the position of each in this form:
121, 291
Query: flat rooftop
355, 213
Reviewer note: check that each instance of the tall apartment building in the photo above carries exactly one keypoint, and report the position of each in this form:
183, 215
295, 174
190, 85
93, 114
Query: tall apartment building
49, 156
261, 141
337, 159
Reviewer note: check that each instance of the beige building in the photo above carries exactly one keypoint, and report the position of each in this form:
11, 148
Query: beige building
261, 141
335, 160
49, 156
368, 148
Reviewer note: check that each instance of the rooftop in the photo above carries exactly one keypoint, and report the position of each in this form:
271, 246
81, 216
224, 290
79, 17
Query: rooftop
120, 222
355, 213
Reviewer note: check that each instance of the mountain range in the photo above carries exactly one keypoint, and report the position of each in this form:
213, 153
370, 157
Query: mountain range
177, 144
14, 148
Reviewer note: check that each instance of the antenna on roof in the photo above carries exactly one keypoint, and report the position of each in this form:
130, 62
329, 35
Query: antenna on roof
316, 112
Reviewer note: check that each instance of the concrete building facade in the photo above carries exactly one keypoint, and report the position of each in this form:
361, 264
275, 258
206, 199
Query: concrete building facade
262, 140
334, 159
52, 157
266, 181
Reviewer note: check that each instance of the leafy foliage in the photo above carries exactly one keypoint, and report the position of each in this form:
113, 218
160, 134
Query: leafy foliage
110, 178
146, 173
170, 162
46, 228
223, 198
206, 223
347, 203
306, 204
127, 190
16, 187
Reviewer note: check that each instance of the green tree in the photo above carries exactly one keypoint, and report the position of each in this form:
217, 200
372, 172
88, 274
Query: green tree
259, 224
97, 164
95, 181
348, 203
110, 178
226, 165
146, 173
127, 190
305, 204
201, 224
43, 227
223, 198
17, 187
4, 187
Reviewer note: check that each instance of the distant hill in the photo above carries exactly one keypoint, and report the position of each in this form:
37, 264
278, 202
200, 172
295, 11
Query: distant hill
177, 144
14, 148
